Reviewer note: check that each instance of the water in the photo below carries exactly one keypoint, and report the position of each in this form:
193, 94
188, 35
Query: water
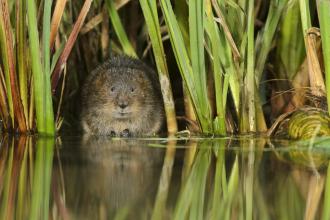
195, 178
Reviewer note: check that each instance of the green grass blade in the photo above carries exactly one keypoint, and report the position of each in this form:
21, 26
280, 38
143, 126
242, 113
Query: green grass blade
119, 29
43, 96
149, 9
324, 18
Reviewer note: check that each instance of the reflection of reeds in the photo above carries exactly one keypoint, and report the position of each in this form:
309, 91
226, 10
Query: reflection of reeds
23, 195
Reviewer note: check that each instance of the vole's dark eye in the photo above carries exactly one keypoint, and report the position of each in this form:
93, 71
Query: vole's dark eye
112, 89
132, 89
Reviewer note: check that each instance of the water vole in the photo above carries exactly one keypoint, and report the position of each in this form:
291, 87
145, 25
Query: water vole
122, 97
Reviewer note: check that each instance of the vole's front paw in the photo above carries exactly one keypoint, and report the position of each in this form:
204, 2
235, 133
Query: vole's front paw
125, 133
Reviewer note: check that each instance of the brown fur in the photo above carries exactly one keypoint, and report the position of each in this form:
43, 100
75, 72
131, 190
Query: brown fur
122, 96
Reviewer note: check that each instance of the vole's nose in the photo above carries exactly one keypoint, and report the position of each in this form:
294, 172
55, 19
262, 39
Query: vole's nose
123, 105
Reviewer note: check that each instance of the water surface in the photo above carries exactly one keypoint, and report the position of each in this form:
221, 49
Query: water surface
195, 178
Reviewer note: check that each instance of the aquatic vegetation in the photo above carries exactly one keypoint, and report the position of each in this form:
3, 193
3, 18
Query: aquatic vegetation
224, 66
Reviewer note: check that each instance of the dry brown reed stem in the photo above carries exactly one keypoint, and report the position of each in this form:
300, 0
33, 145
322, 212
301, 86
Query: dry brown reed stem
105, 40
69, 44
56, 19
189, 111
17, 104
121, 3
97, 19
315, 73
92, 23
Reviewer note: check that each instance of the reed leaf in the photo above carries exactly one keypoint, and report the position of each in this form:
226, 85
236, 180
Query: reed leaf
228, 64
43, 96
305, 15
324, 18
212, 31
184, 64
149, 9
5, 61
58, 69
119, 29
196, 33
266, 36
56, 19
290, 45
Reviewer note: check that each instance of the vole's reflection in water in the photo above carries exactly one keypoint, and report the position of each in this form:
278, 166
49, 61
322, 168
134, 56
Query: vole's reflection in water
103, 177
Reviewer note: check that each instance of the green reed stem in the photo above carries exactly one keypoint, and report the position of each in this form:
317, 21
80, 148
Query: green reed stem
305, 15
149, 9
324, 18
119, 29
41, 80
249, 110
